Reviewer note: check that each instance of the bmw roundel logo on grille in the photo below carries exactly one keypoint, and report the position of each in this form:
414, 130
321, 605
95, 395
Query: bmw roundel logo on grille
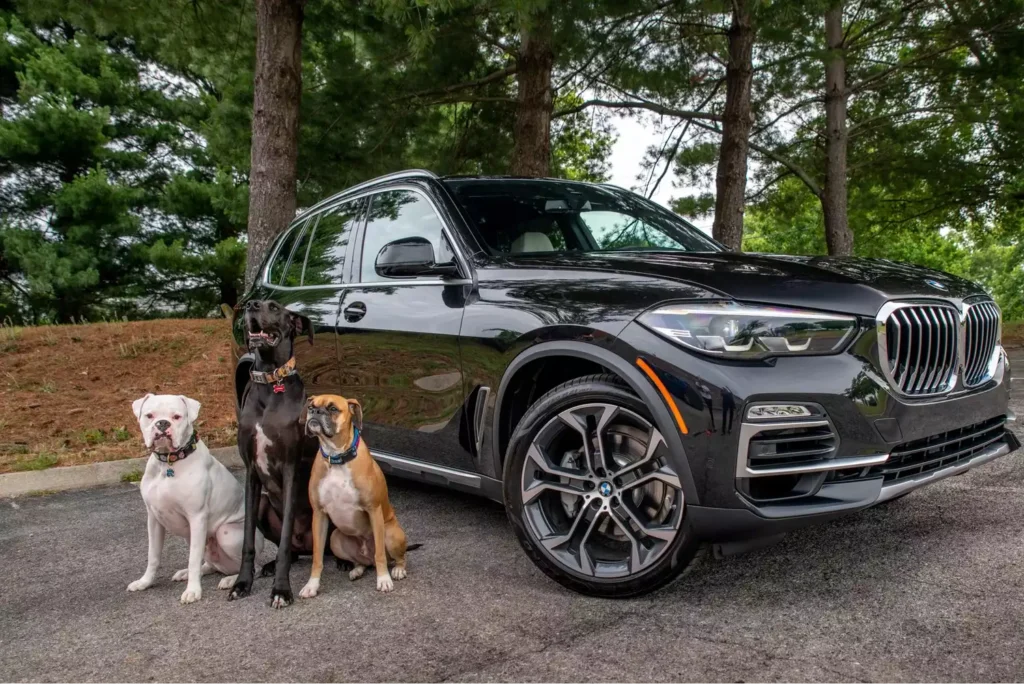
936, 284
605, 489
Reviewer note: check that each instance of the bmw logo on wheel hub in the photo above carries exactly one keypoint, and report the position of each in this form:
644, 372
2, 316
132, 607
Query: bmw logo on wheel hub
605, 488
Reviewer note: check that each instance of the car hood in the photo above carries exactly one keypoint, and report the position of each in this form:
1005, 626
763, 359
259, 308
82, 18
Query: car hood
845, 284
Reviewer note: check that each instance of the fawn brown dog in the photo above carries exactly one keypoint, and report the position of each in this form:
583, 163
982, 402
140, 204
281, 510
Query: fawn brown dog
347, 486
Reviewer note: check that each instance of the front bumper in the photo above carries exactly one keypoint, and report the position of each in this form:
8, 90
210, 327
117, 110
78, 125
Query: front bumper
881, 446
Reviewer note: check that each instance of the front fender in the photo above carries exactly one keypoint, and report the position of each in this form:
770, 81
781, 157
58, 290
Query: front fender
625, 369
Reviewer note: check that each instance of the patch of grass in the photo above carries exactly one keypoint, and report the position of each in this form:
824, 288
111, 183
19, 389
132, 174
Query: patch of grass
132, 476
48, 387
41, 492
209, 330
94, 436
41, 462
8, 331
50, 338
121, 434
220, 359
136, 347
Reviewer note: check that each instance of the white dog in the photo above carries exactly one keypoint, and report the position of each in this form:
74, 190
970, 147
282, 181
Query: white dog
190, 494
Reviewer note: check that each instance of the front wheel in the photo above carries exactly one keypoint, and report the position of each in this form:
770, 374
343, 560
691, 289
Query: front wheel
593, 493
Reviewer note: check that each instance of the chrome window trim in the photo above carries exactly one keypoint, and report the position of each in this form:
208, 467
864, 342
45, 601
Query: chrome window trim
446, 232
363, 188
327, 205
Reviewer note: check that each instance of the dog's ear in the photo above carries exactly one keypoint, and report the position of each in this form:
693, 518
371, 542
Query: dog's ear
137, 406
193, 408
357, 412
301, 324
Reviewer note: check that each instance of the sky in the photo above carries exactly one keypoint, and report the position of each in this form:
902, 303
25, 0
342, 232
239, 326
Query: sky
636, 134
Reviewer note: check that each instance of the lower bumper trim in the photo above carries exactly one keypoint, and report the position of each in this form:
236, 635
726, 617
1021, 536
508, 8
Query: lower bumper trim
990, 454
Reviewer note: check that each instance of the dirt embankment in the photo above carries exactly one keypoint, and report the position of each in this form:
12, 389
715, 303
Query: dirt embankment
66, 391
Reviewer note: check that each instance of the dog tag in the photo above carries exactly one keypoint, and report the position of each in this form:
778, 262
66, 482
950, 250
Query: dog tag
170, 472
278, 387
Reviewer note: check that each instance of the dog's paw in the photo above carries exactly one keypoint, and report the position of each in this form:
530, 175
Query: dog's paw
180, 576
356, 572
384, 583
140, 584
281, 598
227, 582
269, 570
192, 594
398, 572
344, 565
311, 589
240, 590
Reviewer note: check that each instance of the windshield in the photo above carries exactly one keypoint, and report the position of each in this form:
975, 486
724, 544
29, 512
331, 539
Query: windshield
517, 216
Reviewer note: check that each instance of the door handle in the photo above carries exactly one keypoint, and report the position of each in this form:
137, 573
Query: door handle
354, 311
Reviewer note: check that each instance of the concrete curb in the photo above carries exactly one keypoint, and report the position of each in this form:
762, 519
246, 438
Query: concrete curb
90, 475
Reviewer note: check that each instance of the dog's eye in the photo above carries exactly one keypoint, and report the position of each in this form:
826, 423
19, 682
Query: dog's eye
333, 409
149, 416
176, 417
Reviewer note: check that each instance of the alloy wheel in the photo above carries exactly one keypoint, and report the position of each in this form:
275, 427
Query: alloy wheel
599, 493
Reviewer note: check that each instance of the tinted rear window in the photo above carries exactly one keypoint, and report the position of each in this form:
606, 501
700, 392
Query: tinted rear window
517, 216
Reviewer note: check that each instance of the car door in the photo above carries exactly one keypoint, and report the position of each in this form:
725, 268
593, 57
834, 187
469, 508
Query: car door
399, 342
310, 280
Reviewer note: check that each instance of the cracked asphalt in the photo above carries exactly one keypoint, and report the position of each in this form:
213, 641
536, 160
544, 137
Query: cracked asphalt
927, 588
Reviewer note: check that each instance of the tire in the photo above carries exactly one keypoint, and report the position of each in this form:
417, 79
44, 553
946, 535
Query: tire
575, 510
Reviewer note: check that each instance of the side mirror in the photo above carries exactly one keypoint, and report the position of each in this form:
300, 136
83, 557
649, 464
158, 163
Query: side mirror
412, 256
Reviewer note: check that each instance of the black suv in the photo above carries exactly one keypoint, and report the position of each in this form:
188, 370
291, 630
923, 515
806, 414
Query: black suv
625, 385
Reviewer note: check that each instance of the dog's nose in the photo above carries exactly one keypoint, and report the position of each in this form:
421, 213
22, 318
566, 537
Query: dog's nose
252, 304
162, 425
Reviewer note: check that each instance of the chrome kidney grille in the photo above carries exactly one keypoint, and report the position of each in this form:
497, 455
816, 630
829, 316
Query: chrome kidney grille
924, 347
981, 335
920, 346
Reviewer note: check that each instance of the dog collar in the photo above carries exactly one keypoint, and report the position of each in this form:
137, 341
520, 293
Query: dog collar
343, 457
275, 377
178, 454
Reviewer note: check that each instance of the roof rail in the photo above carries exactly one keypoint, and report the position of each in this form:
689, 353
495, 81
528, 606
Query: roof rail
397, 175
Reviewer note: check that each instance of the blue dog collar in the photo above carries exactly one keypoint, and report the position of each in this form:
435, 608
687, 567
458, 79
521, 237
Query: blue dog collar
343, 457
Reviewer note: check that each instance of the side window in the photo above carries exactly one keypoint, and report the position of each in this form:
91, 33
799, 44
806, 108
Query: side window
293, 274
394, 215
281, 258
326, 259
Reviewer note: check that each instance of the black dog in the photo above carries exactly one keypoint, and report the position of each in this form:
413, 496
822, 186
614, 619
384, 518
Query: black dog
273, 445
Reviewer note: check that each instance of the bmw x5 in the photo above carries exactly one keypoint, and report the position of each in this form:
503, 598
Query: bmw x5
627, 387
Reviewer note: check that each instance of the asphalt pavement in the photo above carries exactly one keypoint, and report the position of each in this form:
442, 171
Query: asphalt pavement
926, 588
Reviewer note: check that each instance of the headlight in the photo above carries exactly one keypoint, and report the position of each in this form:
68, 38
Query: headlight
748, 331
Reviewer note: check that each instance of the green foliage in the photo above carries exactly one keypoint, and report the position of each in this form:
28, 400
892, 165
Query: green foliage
581, 143
40, 462
125, 128
132, 476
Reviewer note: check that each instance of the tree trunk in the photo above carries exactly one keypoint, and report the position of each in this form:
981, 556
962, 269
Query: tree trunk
731, 181
531, 155
833, 197
275, 125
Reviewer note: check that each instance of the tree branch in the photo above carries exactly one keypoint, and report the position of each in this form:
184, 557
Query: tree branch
795, 168
490, 78
639, 104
